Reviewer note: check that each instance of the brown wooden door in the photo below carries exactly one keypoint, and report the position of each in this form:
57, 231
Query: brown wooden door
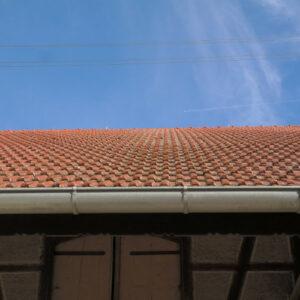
82, 269
149, 269
124, 268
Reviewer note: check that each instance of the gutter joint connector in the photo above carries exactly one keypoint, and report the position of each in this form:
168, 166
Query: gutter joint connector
185, 203
72, 200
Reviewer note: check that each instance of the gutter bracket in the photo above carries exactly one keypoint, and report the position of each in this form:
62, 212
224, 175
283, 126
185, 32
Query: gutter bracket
184, 200
72, 200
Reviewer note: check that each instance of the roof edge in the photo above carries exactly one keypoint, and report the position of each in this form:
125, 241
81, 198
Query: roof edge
151, 188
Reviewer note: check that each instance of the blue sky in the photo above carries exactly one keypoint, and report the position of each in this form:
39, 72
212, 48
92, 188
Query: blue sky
212, 63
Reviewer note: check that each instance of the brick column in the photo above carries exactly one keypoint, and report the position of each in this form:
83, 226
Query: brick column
21, 259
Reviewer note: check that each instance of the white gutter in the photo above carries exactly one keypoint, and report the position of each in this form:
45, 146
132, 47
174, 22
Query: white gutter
150, 200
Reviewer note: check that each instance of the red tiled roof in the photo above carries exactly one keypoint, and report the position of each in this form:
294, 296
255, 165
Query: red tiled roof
151, 157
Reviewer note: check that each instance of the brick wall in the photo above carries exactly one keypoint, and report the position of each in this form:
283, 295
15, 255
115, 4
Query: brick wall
21, 261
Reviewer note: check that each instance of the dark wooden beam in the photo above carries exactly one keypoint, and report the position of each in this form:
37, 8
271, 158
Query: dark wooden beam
177, 224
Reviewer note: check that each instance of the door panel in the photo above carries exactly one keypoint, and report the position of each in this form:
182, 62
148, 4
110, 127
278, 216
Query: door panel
82, 269
149, 269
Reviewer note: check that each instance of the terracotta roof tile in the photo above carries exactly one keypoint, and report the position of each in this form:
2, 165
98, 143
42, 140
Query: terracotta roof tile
151, 157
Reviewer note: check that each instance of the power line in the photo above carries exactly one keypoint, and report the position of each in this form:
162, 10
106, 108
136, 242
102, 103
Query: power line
157, 43
103, 63
216, 108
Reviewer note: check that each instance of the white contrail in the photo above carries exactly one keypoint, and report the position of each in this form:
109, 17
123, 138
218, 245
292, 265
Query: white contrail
237, 106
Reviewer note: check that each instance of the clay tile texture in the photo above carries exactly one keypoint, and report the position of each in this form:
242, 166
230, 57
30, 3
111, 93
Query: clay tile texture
227, 156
